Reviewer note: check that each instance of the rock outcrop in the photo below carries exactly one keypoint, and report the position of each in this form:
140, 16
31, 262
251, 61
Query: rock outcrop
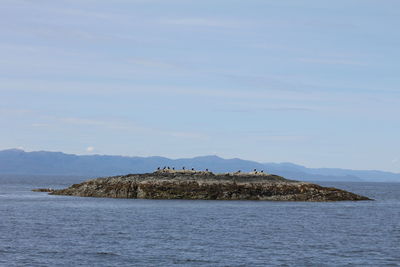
168, 184
43, 190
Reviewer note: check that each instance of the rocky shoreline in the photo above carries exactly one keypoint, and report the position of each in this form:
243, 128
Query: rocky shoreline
168, 184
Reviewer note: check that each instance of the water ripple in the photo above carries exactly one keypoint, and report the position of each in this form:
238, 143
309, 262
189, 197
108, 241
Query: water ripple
41, 230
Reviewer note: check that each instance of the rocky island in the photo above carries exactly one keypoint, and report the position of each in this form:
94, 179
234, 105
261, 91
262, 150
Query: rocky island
190, 184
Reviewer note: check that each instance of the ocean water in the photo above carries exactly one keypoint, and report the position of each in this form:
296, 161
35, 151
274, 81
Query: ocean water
37, 229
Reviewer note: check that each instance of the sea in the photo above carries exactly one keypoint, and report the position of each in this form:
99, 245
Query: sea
37, 229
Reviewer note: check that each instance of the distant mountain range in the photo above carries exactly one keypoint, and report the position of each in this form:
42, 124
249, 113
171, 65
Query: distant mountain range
19, 162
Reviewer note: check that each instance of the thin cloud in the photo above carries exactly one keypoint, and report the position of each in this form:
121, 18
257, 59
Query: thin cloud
81, 121
40, 125
151, 63
189, 135
280, 138
201, 22
12, 111
74, 88
332, 61
129, 126
253, 109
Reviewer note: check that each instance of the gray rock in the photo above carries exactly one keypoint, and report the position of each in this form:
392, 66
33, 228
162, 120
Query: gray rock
188, 184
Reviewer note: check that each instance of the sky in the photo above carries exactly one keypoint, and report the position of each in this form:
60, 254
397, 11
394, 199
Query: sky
311, 82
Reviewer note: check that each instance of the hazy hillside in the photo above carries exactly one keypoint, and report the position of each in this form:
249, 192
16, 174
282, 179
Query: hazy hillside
19, 162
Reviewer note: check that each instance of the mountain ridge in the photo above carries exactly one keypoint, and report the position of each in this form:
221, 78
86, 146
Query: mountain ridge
20, 162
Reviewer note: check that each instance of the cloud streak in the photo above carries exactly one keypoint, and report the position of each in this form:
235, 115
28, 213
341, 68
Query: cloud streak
201, 22
332, 61
116, 125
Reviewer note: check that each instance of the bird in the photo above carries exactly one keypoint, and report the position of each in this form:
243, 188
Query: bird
192, 169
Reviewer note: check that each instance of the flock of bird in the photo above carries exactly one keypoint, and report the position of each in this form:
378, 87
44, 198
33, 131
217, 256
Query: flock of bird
167, 168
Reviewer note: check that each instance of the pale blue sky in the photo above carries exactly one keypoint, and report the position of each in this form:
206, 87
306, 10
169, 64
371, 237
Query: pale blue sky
311, 82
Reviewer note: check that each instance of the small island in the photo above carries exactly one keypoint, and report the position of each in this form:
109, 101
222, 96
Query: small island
205, 185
